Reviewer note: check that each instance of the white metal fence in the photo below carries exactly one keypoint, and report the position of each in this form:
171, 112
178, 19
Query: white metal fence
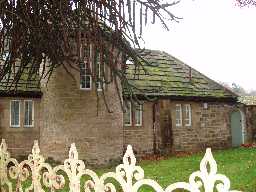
34, 174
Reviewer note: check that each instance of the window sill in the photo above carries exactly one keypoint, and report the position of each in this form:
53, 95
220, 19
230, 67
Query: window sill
14, 127
133, 127
85, 89
28, 126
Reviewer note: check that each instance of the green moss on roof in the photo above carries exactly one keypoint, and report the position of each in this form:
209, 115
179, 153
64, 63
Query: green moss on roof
165, 75
247, 100
24, 84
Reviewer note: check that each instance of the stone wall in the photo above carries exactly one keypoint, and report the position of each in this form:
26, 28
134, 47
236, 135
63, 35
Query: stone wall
210, 126
141, 137
251, 123
19, 139
71, 115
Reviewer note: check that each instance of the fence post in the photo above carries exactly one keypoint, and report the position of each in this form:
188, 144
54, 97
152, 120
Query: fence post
36, 160
4, 156
74, 167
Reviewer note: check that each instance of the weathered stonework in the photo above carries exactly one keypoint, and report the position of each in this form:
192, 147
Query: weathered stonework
71, 115
19, 139
141, 137
250, 113
210, 126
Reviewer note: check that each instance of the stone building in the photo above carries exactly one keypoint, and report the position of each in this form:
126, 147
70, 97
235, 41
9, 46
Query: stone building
190, 111
249, 107
179, 109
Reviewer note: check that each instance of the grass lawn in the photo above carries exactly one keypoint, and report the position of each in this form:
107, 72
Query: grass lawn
239, 165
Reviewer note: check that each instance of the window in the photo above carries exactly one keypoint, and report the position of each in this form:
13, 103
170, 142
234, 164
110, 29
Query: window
178, 115
85, 77
187, 118
129, 62
128, 115
85, 70
15, 113
138, 115
29, 113
100, 74
133, 115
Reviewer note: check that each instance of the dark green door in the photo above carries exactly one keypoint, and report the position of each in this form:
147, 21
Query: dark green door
236, 129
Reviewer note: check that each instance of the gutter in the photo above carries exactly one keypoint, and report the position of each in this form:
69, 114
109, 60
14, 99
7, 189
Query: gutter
188, 98
25, 94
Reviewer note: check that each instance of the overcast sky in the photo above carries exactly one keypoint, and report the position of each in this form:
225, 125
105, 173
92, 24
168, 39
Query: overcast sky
215, 37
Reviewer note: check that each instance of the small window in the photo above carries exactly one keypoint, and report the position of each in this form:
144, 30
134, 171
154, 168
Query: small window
129, 62
85, 69
85, 76
178, 115
15, 113
29, 113
100, 74
137, 115
187, 118
133, 115
128, 115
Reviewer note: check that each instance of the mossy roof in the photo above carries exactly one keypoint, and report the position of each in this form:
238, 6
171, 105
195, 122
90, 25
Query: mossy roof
24, 87
247, 100
165, 75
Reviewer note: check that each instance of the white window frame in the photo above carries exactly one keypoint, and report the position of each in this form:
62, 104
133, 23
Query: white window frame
33, 111
15, 126
85, 76
188, 115
129, 62
85, 72
130, 109
180, 115
98, 84
140, 112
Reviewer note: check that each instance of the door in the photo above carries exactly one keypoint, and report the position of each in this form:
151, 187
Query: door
167, 131
236, 128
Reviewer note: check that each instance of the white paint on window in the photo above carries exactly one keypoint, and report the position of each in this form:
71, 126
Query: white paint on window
28, 113
85, 73
128, 115
100, 78
178, 115
138, 115
129, 62
187, 118
85, 78
15, 113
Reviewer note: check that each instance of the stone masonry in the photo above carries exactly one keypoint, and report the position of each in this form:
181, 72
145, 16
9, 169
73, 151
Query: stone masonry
250, 112
141, 137
19, 139
70, 115
210, 126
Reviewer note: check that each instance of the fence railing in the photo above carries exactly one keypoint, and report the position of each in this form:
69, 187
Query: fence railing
34, 174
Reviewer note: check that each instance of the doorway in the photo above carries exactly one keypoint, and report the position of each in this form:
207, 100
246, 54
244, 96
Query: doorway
167, 131
237, 128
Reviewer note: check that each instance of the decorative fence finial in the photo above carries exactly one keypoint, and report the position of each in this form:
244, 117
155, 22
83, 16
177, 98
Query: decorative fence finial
3, 146
36, 149
130, 177
73, 154
129, 157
